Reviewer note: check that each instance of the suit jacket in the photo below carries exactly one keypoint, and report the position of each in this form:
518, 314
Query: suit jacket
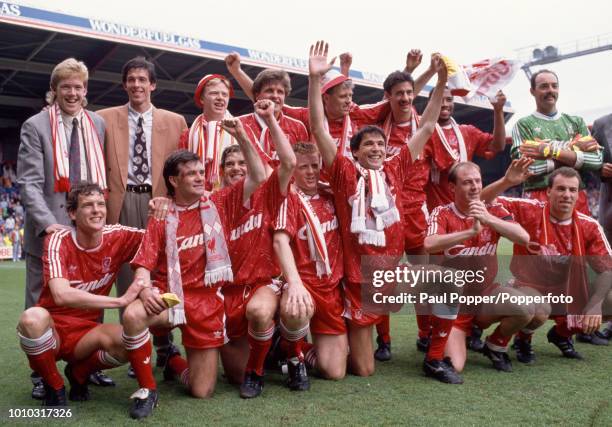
602, 132
165, 134
43, 206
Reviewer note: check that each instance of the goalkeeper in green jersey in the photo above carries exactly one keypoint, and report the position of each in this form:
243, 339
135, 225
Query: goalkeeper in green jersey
553, 139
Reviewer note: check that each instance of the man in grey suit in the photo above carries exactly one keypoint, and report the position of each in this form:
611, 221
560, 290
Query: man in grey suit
59, 146
602, 132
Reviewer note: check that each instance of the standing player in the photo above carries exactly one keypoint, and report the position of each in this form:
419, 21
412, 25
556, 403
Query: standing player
79, 269
399, 126
452, 143
553, 139
562, 241
206, 136
273, 85
365, 194
308, 246
251, 301
188, 254
466, 233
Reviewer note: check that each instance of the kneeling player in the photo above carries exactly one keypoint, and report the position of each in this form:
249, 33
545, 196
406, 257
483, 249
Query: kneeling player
562, 242
307, 244
79, 270
467, 232
186, 254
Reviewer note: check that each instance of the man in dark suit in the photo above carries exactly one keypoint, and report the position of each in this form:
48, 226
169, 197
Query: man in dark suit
59, 146
602, 132
139, 137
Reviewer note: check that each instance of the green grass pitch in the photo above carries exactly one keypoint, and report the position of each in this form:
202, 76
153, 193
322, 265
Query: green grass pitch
553, 391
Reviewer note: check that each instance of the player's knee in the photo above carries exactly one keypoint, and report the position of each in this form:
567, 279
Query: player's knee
202, 391
459, 364
260, 311
33, 321
363, 369
332, 372
134, 314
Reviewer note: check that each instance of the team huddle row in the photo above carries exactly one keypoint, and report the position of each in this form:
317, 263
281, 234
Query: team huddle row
264, 223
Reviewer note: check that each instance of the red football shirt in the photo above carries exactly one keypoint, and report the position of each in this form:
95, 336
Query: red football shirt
250, 239
343, 180
292, 221
189, 239
476, 253
476, 143
293, 129
90, 270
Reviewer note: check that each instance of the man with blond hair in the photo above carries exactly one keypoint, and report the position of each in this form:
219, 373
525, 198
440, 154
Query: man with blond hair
59, 146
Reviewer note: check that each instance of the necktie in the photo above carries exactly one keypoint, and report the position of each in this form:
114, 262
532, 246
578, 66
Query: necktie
74, 159
140, 163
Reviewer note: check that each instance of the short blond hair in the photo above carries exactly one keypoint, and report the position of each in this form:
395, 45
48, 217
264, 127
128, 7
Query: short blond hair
63, 70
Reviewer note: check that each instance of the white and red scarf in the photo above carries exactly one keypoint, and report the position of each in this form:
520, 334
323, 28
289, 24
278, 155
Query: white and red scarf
208, 140
315, 236
218, 264
460, 156
265, 140
373, 207
344, 143
414, 125
61, 146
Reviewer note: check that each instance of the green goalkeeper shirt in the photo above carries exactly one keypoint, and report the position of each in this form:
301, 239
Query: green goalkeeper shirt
560, 127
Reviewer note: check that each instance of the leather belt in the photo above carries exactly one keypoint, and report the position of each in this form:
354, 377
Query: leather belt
141, 188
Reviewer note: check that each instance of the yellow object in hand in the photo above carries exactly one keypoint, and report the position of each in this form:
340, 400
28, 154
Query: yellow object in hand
170, 299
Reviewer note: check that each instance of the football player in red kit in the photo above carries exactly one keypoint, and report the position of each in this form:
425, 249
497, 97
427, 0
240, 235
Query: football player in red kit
308, 246
79, 268
365, 194
187, 254
562, 241
465, 233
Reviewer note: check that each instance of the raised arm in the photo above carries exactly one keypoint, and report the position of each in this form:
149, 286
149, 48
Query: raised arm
499, 124
431, 113
232, 61
256, 171
517, 173
346, 60
265, 109
317, 67
421, 81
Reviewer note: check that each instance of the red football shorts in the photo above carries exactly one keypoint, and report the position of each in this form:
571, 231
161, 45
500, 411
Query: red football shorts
415, 228
70, 330
236, 299
204, 312
353, 307
329, 306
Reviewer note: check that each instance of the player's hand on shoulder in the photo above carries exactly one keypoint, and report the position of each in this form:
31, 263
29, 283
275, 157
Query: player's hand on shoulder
158, 208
